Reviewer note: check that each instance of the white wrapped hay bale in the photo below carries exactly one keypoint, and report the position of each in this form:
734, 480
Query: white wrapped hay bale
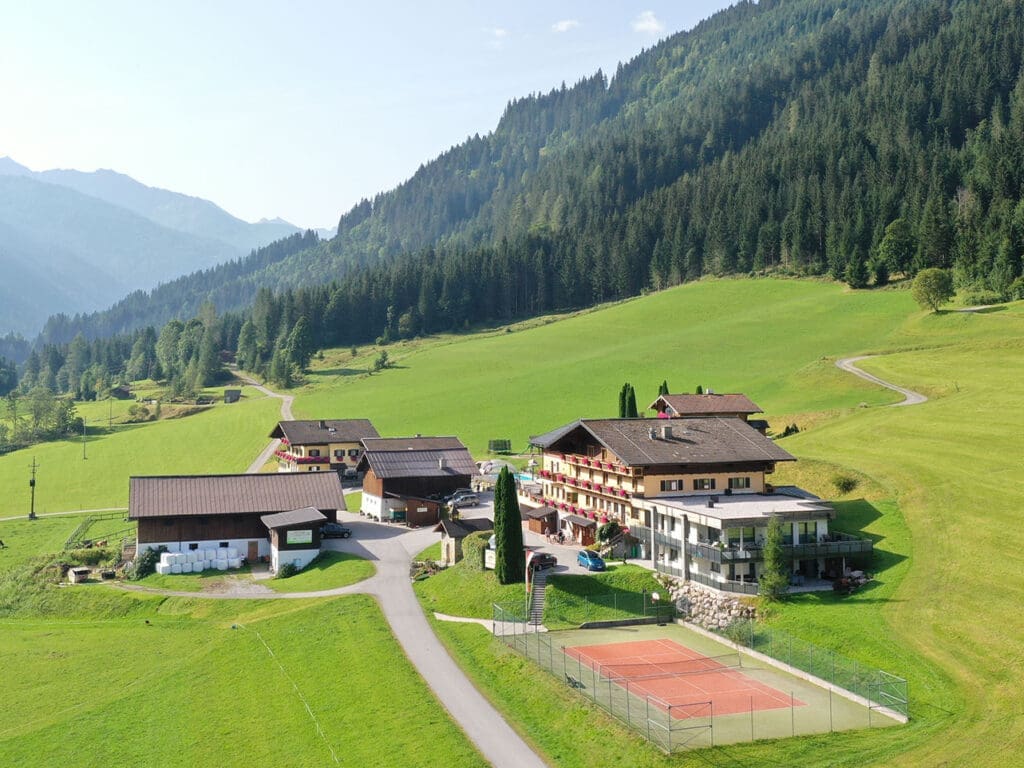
235, 562
186, 567
163, 569
165, 558
176, 568
197, 566
179, 559
232, 553
210, 554
222, 565
190, 557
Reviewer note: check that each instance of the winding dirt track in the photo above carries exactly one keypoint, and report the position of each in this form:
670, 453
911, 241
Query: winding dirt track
286, 415
910, 397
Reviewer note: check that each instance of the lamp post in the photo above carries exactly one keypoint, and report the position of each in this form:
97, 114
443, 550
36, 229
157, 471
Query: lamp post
32, 486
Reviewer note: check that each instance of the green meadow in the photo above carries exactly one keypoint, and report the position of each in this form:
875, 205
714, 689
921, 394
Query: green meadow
937, 489
179, 682
218, 439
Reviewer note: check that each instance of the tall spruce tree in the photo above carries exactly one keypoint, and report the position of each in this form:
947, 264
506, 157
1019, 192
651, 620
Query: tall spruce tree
663, 389
631, 402
509, 559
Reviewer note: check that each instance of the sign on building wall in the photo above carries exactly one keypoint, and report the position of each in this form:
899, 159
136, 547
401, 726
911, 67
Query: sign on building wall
299, 537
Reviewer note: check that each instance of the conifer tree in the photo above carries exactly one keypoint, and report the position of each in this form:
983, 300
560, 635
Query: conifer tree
774, 580
509, 559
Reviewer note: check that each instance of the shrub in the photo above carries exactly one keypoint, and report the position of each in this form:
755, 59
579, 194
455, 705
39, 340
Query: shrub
609, 530
145, 563
94, 556
983, 298
473, 547
286, 571
791, 429
1016, 289
844, 483
739, 631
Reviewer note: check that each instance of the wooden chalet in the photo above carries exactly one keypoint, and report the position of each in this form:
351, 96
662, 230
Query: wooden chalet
406, 478
185, 513
321, 445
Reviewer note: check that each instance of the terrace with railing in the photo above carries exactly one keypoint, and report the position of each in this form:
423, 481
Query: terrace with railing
832, 545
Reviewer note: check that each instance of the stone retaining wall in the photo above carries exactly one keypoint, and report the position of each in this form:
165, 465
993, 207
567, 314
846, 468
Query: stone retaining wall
706, 607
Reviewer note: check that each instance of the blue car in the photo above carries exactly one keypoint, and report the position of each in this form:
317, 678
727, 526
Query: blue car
590, 560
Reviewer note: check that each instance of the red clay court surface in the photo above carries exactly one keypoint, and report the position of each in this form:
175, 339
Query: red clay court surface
635, 663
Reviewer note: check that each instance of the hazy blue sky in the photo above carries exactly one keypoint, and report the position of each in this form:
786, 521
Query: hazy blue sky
294, 109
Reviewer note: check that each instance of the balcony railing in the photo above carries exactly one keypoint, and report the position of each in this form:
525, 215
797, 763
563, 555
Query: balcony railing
738, 587
834, 545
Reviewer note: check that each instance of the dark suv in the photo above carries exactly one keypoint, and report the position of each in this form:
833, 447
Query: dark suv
542, 560
335, 531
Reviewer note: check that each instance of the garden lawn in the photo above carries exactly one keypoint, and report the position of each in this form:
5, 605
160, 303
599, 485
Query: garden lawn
198, 685
464, 591
221, 439
329, 571
621, 592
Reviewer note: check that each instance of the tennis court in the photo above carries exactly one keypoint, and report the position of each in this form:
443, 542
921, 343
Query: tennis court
674, 674
683, 689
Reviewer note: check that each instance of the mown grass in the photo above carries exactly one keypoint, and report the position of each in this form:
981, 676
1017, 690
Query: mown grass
463, 591
329, 571
221, 439
194, 683
621, 592
773, 339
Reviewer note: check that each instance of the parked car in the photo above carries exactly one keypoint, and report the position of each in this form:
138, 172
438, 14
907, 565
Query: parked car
335, 531
464, 500
542, 560
460, 492
590, 560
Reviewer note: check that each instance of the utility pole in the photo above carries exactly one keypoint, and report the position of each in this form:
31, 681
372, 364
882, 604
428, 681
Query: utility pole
32, 485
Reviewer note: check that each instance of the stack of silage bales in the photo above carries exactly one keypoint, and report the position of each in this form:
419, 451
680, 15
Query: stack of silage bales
199, 560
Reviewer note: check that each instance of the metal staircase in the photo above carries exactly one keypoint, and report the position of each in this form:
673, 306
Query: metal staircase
540, 581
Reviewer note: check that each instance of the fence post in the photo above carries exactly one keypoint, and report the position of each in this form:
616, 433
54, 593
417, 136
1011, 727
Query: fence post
627, 703
792, 716
751, 718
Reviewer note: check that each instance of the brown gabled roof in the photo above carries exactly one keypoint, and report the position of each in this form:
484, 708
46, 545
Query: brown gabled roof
293, 517
707, 405
460, 529
391, 457
323, 431
201, 495
643, 442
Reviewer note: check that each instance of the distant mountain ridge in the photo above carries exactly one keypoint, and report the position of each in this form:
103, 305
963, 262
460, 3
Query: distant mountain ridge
173, 210
73, 242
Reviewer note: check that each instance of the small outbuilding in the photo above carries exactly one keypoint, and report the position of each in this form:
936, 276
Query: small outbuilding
294, 536
542, 520
232, 395
453, 532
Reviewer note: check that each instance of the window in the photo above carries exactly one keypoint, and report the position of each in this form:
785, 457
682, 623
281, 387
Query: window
314, 451
353, 452
339, 453
739, 483
671, 485
222, 544
193, 547
716, 567
673, 554
704, 484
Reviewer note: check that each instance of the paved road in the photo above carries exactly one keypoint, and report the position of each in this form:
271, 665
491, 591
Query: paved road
286, 415
391, 548
910, 397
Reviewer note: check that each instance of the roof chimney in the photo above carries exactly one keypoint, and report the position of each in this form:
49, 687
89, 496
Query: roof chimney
711, 502
653, 433
666, 433
323, 424
442, 463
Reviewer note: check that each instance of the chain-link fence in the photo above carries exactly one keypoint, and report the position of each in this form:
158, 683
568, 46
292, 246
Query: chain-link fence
771, 704
881, 689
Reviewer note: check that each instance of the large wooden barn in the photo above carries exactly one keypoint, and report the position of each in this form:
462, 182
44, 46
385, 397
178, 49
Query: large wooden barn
185, 513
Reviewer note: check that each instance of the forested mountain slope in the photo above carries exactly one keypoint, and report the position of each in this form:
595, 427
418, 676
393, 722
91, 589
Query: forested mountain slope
852, 138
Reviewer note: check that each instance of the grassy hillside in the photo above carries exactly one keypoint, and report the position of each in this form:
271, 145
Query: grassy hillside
223, 438
774, 339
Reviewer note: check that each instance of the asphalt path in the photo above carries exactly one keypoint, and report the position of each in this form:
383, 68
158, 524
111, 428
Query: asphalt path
910, 397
